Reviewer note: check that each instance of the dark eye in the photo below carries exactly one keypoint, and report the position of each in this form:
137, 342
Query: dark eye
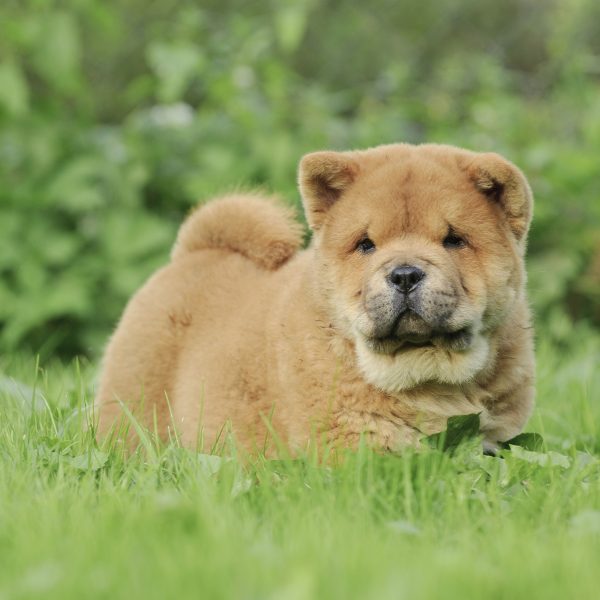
365, 245
453, 241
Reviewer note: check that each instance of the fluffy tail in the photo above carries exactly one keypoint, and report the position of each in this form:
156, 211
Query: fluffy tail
261, 229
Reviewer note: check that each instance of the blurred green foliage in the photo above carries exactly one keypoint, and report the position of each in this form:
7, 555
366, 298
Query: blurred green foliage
117, 116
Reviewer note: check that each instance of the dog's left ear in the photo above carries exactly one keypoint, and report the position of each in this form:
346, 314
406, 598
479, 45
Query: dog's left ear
322, 178
502, 182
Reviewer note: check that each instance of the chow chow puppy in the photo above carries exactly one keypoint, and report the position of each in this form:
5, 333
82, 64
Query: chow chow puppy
407, 307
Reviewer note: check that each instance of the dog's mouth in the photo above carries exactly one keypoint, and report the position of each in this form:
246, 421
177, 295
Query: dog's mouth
410, 331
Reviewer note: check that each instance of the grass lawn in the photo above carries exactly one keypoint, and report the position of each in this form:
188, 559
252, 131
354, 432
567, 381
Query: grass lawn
81, 522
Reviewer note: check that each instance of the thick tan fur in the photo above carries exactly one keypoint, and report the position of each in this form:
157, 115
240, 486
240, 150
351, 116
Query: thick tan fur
261, 229
242, 332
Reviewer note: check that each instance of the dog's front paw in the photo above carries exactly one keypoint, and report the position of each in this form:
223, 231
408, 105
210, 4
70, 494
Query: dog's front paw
490, 448
379, 432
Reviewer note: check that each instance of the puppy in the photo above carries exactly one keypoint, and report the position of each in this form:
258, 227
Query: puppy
407, 307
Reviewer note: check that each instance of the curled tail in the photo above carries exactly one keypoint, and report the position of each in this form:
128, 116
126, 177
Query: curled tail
261, 229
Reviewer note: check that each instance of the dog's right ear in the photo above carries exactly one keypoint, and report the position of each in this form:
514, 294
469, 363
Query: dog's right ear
323, 177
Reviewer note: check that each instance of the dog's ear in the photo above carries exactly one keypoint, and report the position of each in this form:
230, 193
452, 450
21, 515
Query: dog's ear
502, 182
323, 177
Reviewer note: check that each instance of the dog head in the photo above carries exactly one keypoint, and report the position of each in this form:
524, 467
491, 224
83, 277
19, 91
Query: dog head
420, 255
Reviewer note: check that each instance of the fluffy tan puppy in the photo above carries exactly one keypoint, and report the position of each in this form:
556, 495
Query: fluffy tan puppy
407, 307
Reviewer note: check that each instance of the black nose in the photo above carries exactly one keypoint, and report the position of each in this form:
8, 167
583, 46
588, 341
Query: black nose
406, 278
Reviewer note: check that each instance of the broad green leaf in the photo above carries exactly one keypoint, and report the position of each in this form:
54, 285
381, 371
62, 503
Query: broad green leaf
458, 429
14, 93
544, 459
175, 65
89, 461
528, 441
76, 186
290, 23
209, 464
58, 51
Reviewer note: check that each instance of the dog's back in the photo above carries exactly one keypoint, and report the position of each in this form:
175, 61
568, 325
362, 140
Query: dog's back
224, 245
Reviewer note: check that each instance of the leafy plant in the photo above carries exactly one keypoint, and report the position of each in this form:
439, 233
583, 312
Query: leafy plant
116, 118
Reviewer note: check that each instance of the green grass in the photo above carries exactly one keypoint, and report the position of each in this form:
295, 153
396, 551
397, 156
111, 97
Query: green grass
78, 521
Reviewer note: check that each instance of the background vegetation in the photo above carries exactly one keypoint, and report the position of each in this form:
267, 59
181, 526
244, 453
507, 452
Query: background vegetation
117, 116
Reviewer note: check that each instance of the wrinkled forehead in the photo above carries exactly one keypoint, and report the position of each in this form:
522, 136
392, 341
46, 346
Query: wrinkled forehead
408, 194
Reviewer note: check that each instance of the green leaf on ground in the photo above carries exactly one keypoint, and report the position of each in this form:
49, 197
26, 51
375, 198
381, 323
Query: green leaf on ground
544, 459
528, 441
458, 429
89, 461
